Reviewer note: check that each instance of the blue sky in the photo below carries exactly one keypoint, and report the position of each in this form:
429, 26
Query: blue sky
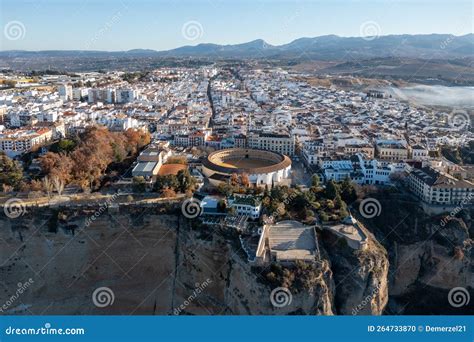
166, 24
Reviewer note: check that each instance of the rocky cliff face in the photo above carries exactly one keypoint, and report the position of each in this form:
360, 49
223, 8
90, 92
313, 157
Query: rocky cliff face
155, 262
238, 288
360, 275
429, 255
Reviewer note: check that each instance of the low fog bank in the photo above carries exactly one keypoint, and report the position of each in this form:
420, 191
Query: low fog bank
436, 95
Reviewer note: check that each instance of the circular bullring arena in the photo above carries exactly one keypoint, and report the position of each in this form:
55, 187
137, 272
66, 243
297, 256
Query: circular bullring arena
262, 167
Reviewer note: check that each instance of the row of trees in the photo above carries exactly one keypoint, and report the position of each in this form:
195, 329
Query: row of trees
85, 163
238, 184
11, 178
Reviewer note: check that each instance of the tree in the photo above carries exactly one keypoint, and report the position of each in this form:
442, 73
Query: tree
338, 202
139, 184
221, 206
244, 179
225, 189
7, 188
331, 189
63, 146
185, 180
11, 172
279, 193
234, 179
315, 180
231, 211
309, 214
324, 217
137, 139
298, 202
48, 186
36, 185
348, 191
168, 193
57, 165
266, 201
58, 185
168, 181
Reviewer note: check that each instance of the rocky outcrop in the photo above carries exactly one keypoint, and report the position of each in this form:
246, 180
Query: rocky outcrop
361, 276
429, 255
234, 287
153, 262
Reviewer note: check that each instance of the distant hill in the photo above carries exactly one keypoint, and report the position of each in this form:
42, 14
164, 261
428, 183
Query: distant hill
331, 47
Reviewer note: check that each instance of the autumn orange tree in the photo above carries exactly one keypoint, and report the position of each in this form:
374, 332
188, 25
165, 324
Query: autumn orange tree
98, 148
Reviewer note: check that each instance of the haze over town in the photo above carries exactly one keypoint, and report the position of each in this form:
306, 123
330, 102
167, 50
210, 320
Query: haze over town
236, 157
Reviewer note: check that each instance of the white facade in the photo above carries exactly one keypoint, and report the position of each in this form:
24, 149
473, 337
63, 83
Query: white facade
434, 187
419, 153
126, 95
312, 151
65, 92
20, 141
79, 93
362, 171
247, 206
392, 150
280, 143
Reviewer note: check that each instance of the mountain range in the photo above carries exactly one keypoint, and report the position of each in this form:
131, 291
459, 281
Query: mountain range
330, 47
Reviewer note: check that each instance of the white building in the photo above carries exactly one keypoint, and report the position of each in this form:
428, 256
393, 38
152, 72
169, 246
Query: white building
20, 141
50, 116
434, 187
392, 149
150, 161
276, 142
65, 92
125, 95
246, 205
101, 95
312, 151
419, 152
79, 93
362, 171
